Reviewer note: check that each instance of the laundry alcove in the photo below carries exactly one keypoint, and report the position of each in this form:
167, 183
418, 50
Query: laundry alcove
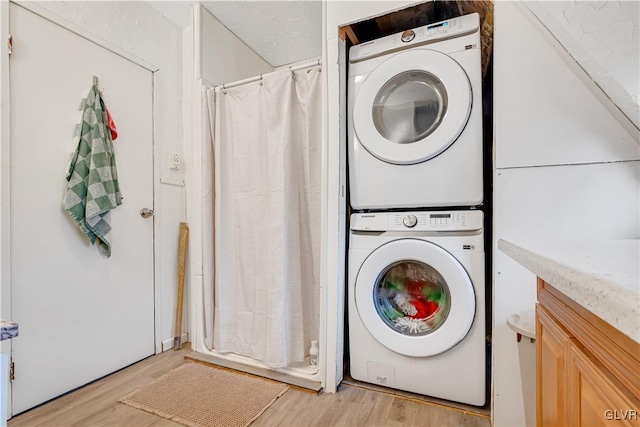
227, 74
377, 63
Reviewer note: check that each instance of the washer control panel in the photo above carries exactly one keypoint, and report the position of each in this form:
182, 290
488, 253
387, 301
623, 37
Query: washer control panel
418, 221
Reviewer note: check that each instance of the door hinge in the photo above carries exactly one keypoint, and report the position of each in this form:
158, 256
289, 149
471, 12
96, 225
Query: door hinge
12, 371
10, 44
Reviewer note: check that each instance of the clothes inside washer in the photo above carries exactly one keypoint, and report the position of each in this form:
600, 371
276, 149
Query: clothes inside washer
412, 298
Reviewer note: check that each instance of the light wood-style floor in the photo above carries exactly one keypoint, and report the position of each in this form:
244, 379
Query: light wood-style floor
97, 405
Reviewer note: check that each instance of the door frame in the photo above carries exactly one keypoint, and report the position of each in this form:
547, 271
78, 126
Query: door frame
5, 170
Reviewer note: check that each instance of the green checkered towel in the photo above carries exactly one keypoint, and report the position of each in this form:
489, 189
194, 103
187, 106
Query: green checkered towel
93, 189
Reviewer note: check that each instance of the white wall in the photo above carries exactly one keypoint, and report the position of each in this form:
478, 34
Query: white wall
565, 169
299, 63
140, 30
5, 286
223, 57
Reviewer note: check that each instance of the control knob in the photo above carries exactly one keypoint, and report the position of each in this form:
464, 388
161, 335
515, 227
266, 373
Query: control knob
410, 221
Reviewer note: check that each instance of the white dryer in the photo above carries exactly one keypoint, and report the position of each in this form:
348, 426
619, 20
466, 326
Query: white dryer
415, 125
416, 302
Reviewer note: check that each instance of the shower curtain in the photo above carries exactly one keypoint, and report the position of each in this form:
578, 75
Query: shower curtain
267, 157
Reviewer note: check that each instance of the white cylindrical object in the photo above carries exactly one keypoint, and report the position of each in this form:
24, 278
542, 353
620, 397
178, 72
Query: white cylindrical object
313, 354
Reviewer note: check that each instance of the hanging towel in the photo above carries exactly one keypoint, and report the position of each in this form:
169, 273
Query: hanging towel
93, 189
112, 126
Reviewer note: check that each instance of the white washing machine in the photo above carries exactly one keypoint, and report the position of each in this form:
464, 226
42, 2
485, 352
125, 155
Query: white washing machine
416, 302
415, 118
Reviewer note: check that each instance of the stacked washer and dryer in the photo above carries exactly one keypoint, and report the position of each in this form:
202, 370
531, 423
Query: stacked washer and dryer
416, 292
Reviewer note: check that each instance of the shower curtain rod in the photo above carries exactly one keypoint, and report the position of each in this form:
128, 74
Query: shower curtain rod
257, 78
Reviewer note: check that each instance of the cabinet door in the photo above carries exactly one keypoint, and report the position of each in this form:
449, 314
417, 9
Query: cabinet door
551, 345
595, 396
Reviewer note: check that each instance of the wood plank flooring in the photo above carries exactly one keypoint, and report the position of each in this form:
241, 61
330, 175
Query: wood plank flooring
97, 405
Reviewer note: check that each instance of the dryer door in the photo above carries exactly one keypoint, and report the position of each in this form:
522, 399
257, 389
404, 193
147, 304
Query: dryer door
412, 107
415, 298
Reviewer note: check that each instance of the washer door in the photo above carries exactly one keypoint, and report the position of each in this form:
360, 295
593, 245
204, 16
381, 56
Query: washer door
412, 107
415, 298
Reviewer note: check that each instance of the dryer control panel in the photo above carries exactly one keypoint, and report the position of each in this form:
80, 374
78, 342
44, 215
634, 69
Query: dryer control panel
438, 31
418, 221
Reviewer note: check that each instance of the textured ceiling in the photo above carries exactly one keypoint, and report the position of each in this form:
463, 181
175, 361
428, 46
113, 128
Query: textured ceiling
281, 32
601, 35
604, 38
177, 12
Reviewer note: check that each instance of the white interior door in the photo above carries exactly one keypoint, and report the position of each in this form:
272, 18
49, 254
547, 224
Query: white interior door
81, 316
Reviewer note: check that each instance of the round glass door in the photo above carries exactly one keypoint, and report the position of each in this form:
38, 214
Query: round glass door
409, 107
412, 298
412, 106
415, 298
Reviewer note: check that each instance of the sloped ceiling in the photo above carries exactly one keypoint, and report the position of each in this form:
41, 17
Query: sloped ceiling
603, 36
177, 12
281, 32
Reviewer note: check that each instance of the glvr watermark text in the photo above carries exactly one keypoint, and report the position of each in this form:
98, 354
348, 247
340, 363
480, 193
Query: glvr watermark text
621, 414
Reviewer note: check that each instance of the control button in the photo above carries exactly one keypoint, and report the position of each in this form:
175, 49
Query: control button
410, 221
407, 36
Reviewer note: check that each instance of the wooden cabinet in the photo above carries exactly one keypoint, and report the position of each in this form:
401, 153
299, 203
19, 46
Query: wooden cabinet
550, 360
588, 373
594, 393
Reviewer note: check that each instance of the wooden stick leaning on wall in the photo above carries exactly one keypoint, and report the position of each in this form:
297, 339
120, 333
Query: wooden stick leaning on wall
182, 267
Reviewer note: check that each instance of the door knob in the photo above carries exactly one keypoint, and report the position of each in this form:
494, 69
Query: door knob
146, 213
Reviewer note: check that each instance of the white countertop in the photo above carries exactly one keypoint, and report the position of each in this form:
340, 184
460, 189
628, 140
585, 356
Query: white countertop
602, 276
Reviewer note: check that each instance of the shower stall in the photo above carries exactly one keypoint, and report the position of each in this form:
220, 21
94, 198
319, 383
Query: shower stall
256, 206
261, 264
